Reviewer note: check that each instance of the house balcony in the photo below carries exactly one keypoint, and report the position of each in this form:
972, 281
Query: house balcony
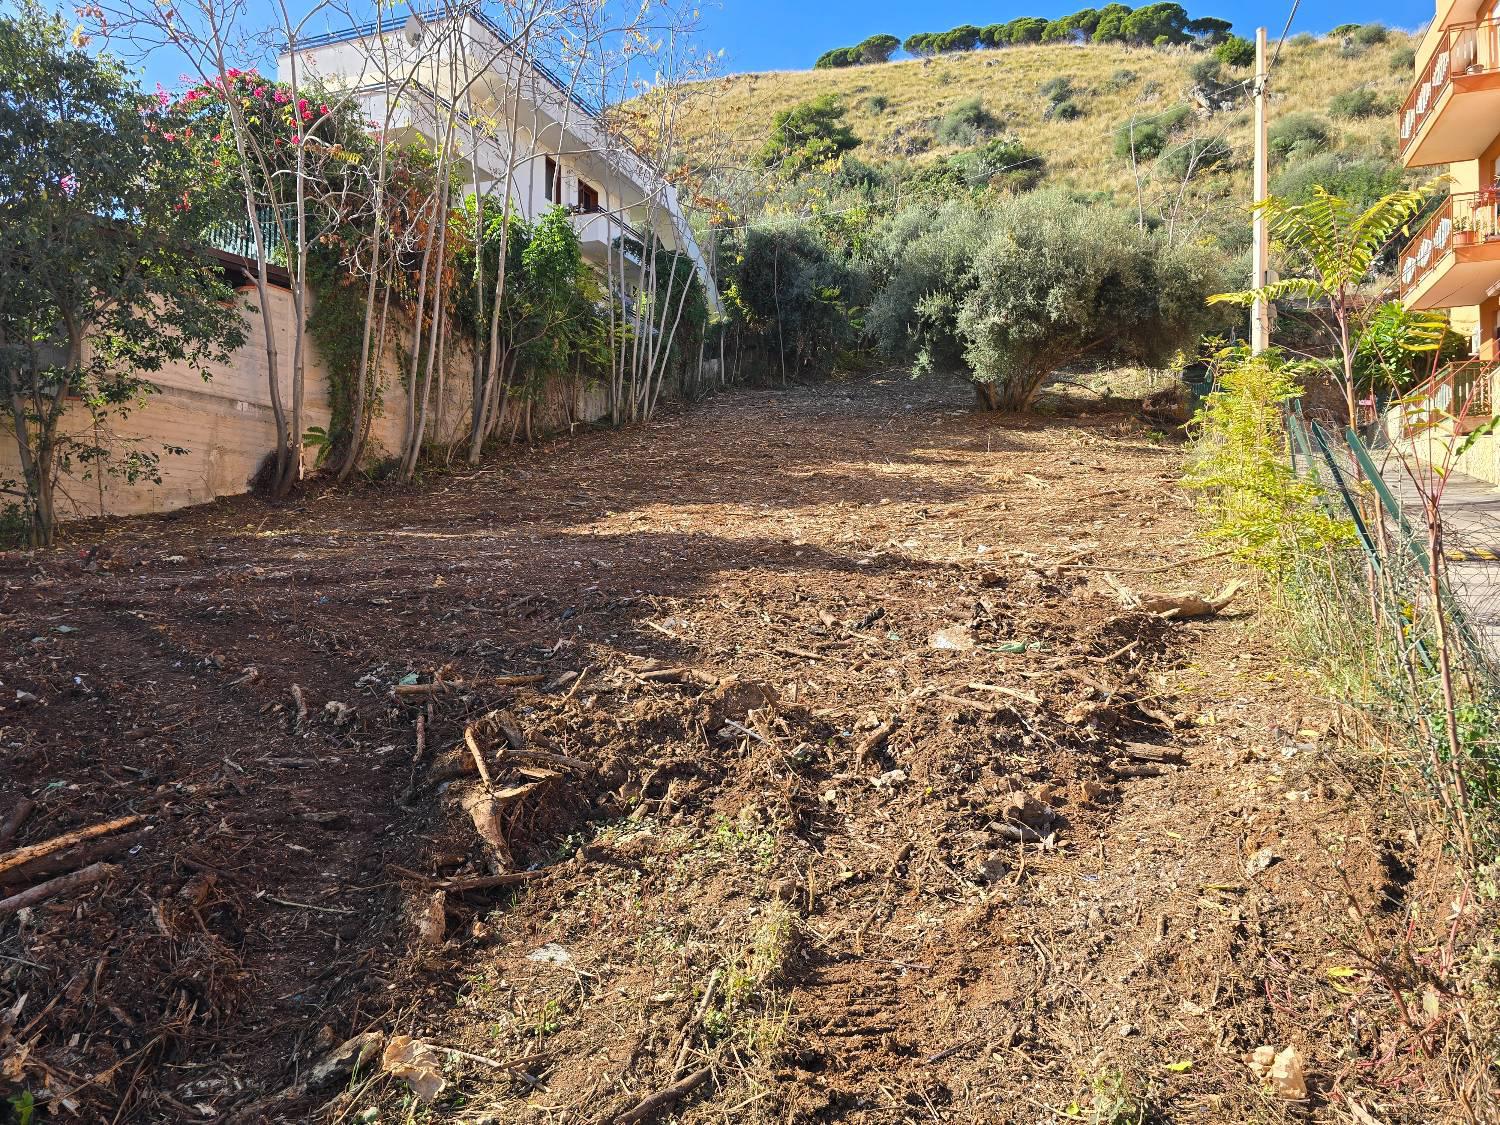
1455, 260
1452, 112
598, 231
1461, 397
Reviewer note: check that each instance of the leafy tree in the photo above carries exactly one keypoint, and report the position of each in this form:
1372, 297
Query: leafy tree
838, 57
1333, 246
919, 44
1399, 348
1157, 24
1236, 51
1111, 25
1209, 29
1027, 29
102, 281
791, 293
878, 48
1298, 135
1058, 282
808, 135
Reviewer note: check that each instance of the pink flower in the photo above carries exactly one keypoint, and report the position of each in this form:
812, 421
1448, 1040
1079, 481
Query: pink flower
169, 136
281, 98
260, 91
163, 99
69, 185
234, 72
323, 109
301, 105
307, 115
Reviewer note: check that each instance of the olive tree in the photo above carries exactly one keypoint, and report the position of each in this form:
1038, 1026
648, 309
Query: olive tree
1059, 282
102, 282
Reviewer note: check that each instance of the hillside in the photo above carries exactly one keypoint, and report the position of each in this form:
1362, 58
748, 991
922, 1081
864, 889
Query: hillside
894, 107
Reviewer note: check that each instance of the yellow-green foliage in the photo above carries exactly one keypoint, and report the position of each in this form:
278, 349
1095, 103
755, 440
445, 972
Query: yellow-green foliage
1241, 468
894, 107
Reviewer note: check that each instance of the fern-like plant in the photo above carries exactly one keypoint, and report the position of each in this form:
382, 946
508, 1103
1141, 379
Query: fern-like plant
1334, 246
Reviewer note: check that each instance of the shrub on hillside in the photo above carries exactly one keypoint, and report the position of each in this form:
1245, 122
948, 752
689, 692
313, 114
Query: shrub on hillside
1057, 89
966, 124
1403, 60
1120, 79
1297, 136
876, 104
1358, 103
808, 135
1003, 162
1010, 292
1359, 178
1236, 52
1147, 137
1370, 34
1057, 281
1194, 157
1063, 111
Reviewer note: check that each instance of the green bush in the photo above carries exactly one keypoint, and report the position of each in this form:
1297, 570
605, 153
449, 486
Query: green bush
1207, 72
1403, 60
1002, 162
1058, 280
1359, 102
1298, 135
1236, 51
1151, 135
1194, 157
876, 104
1063, 111
1241, 469
966, 123
808, 135
1057, 89
1370, 34
1359, 178
1121, 79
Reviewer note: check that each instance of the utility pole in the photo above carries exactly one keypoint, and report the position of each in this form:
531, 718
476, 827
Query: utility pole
1260, 312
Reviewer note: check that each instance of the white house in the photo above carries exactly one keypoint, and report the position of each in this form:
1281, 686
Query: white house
518, 127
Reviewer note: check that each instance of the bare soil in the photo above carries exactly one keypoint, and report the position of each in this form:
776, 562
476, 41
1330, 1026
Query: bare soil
848, 787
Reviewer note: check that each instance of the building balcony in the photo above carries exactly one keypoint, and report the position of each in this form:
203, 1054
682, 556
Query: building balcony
1455, 260
599, 230
1451, 113
1460, 394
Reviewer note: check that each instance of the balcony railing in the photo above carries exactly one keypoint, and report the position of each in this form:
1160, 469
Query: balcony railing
1463, 220
1471, 48
1459, 392
235, 237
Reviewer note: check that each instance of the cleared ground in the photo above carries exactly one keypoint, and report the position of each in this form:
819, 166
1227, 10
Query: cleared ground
852, 787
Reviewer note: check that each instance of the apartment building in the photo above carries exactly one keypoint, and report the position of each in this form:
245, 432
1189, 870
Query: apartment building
1451, 118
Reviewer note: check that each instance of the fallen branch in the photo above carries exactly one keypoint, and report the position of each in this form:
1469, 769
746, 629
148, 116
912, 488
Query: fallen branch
14, 819
25, 855
1001, 689
72, 858
649, 1106
61, 885
476, 883
473, 744
426, 691
872, 742
517, 679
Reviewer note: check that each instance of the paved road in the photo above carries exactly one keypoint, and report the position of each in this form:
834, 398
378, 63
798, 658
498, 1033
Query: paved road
1471, 516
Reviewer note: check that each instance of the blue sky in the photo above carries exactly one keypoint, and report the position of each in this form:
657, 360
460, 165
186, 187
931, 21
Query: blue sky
790, 34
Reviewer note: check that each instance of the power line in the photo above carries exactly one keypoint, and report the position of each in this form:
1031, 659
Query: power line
1276, 55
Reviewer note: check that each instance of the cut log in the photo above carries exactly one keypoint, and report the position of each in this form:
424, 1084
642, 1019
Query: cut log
12, 860
1190, 605
52, 887
14, 819
70, 859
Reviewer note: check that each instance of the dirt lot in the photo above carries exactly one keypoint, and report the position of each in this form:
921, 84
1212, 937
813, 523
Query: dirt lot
841, 785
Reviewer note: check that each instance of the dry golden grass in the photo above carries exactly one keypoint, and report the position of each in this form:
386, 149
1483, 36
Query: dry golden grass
731, 117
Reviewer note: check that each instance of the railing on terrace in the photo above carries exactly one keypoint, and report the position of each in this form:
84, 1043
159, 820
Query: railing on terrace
237, 238
1461, 390
1472, 48
1463, 220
